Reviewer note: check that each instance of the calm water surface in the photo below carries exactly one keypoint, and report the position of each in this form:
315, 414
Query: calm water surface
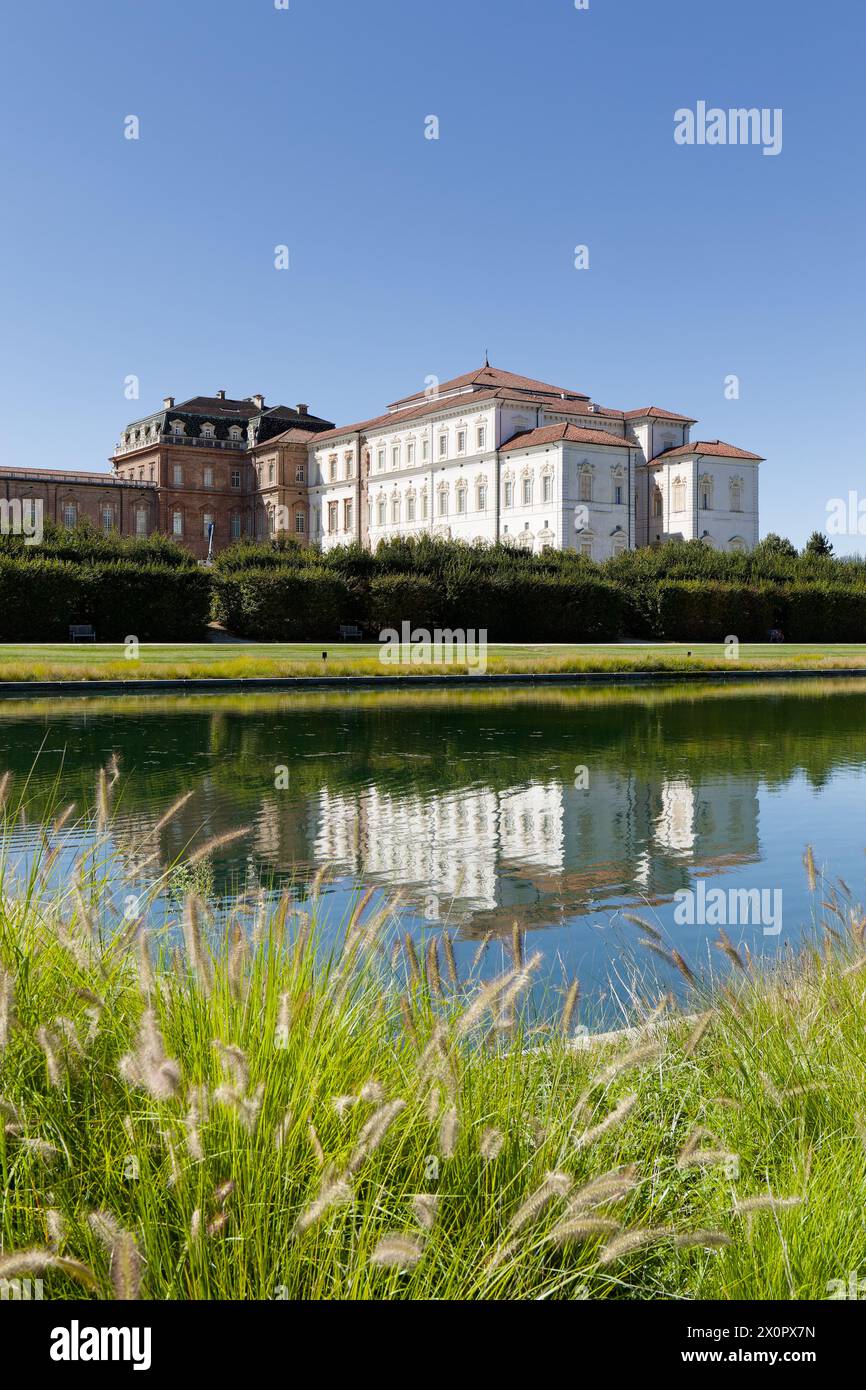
475, 805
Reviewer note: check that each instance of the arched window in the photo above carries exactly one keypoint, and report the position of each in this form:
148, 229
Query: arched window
679, 495
620, 542
584, 544
737, 543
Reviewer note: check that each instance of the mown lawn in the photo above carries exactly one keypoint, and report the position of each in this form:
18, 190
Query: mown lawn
59, 661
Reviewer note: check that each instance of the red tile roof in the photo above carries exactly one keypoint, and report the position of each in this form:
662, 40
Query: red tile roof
567, 434
290, 436
716, 448
655, 412
429, 407
493, 376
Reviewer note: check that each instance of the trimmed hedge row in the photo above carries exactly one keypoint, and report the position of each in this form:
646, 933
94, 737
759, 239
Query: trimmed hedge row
709, 611
41, 598
306, 603
295, 605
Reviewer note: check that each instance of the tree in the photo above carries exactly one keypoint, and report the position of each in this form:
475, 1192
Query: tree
818, 544
777, 545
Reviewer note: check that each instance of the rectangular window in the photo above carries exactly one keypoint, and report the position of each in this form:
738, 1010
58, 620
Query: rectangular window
482, 498
481, 437
586, 486
509, 494
424, 506
410, 508
236, 527
206, 523
461, 500
332, 468
177, 523
300, 473
410, 451
425, 448
617, 495
461, 441
236, 477
347, 515
443, 446
527, 491
141, 521
332, 516
443, 503
177, 475
546, 488
380, 511
380, 459
349, 462
108, 518
300, 523
70, 513
271, 467
395, 456
208, 477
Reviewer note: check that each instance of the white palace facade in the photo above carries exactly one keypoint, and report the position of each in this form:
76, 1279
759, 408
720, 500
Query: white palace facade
491, 456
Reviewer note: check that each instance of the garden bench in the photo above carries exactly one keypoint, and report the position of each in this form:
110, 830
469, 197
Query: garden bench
350, 630
81, 632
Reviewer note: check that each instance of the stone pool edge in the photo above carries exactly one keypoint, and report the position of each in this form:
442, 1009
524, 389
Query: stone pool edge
204, 684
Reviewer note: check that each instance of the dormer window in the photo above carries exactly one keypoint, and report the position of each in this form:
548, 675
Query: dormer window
208, 431
177, 427
235, 432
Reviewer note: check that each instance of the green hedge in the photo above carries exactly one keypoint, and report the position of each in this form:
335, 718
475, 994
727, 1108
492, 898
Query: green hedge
283, 605
695, 610
40, 598
398, 598
824, 613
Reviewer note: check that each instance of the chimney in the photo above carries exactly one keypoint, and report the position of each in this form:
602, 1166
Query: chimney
168, 402
302, 409
221, 395
258, 401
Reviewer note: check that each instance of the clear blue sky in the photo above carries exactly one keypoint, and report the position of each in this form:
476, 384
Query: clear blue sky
409, 256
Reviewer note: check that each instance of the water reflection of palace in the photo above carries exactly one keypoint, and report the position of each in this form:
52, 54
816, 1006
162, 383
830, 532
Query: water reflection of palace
539, 852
